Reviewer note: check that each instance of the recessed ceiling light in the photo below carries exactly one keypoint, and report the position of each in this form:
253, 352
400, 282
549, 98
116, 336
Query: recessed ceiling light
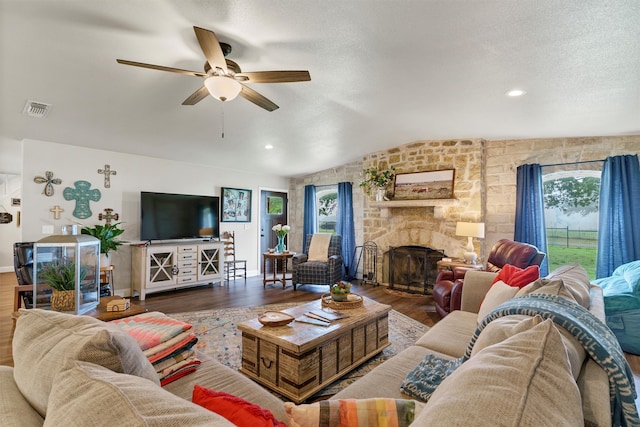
515, 92
268, 147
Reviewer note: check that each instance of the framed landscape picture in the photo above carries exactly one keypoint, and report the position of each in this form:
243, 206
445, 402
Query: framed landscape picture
236, 205
424, 185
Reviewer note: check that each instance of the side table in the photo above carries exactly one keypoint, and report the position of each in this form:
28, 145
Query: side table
274, 258
450, 265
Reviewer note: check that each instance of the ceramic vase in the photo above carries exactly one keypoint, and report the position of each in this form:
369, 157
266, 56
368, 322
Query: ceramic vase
380, 193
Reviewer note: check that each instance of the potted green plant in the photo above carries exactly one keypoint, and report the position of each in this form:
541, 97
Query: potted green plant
61, 278
107, 234
340, 291
377, 180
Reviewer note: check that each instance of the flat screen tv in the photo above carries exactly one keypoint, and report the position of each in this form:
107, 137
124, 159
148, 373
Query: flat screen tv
165, 216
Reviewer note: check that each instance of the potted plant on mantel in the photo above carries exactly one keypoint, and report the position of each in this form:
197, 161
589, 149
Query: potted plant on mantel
107, 234
377, 180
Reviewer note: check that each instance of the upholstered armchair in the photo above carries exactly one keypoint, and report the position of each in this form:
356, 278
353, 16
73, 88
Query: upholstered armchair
322, 268
447, 290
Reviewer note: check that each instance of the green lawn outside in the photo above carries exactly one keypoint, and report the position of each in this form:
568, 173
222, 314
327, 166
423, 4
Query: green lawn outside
561, 255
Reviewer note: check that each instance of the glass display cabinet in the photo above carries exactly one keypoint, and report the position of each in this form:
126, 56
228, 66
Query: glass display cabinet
67, 273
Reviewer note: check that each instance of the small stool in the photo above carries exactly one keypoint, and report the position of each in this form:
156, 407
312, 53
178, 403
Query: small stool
106, 280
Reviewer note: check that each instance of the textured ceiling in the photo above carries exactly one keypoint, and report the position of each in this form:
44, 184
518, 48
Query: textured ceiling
383, 73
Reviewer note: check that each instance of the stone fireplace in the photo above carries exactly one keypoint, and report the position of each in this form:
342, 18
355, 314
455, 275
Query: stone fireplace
413, 268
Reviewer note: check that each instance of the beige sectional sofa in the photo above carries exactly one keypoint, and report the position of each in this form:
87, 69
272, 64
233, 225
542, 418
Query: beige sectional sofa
73, 370
478, 403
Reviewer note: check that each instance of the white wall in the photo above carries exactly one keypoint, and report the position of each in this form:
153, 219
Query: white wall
10, 170
134, 174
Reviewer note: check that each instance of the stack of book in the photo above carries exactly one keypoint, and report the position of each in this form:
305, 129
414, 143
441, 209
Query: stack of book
321, 317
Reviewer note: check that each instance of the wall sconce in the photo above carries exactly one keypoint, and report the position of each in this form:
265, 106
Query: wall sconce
470, 230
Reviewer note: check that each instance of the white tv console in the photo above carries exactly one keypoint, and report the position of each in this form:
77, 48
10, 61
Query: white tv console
168, 265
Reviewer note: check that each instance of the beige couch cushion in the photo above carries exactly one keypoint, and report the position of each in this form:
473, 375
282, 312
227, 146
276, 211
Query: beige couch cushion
86, 394
498, 293
502, 328
452, 334
15, 411
44, 340
576, 279
385, 379
534, 388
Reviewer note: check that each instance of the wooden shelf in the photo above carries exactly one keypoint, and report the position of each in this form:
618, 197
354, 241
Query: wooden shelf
440, 205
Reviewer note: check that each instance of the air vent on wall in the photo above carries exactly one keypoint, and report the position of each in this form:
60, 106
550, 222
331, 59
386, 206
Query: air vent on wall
36, 109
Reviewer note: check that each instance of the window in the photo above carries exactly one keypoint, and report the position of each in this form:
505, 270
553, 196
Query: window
327, 204
571, 217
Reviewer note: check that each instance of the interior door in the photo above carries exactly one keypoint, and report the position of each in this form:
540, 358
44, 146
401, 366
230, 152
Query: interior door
273, 210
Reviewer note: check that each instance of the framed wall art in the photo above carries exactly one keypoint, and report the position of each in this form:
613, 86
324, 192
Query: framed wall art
424, 185
236, 205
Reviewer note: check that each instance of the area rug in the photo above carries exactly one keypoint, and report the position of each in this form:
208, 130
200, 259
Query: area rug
219, 338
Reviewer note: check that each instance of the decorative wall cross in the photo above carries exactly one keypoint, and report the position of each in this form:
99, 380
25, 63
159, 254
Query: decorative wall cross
82, 194
107, 172
108, 216
56, 211
48, 180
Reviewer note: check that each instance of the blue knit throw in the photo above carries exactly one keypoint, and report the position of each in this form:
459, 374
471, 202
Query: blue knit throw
594, 335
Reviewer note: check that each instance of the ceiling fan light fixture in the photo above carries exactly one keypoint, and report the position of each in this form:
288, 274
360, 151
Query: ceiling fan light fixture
222, 88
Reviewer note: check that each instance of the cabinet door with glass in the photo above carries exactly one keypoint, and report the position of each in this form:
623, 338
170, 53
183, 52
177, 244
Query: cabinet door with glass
162, 264
210, 262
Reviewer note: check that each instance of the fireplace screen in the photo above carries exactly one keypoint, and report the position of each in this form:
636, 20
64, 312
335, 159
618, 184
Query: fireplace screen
413, 268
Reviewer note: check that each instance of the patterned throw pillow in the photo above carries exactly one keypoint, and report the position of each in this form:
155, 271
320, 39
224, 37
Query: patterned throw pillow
354, 413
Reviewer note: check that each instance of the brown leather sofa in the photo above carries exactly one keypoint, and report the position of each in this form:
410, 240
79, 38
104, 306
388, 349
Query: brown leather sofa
447, 290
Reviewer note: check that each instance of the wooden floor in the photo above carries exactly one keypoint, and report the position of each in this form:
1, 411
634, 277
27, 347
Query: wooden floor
241, 294
238, 294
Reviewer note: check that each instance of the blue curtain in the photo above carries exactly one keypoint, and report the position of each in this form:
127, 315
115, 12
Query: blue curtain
619, 216
310, 220
344, 225
529, 224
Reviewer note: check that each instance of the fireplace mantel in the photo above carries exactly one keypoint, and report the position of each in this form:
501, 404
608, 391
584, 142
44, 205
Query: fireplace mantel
439, 205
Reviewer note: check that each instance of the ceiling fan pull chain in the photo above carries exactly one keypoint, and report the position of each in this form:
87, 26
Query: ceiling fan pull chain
222, 110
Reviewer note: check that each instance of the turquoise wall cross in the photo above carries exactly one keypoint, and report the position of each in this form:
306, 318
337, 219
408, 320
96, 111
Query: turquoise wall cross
82, 194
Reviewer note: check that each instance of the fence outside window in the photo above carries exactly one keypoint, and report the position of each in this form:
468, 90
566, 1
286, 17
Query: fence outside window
572, 238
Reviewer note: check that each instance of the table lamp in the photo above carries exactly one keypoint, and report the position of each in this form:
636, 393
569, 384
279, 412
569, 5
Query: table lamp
470, 230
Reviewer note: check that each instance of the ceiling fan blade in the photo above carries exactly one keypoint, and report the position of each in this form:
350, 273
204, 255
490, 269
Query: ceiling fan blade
211, 48
196, 96
253, 96
161, 68
274, 76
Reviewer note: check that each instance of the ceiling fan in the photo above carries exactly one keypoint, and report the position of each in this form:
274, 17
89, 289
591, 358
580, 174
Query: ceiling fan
223, 78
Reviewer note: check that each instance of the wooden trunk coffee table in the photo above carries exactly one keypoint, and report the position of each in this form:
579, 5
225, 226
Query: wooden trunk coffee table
299, 359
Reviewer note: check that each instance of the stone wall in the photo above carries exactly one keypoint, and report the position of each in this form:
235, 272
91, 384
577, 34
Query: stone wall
432, 226
504, 157
485, 189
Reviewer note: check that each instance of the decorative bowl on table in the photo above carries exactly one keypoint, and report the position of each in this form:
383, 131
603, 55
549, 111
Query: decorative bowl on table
340, 291
275, 318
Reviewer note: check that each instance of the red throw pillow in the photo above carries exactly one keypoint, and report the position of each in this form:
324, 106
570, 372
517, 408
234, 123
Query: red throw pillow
235, 409
517, 277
